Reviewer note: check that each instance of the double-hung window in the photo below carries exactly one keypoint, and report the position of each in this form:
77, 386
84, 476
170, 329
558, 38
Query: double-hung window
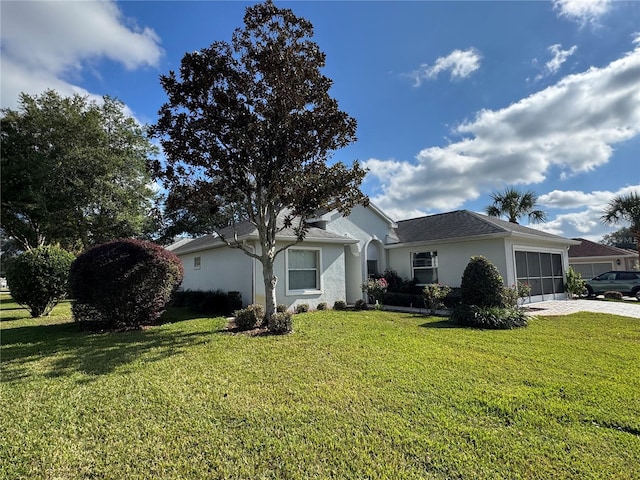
424, 267
303, 270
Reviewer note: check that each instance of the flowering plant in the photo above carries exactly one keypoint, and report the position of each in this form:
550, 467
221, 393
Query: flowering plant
375, 288
434, 295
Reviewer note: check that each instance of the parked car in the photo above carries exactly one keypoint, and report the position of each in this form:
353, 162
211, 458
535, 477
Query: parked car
625, 282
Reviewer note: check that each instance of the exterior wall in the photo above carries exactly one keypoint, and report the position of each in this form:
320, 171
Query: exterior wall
452, 258
364, 225
221, 268
332, 278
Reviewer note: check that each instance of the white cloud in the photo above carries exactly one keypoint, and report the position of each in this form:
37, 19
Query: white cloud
572, 125
51, 44
459, 63
582, 11
559, 57
577, 199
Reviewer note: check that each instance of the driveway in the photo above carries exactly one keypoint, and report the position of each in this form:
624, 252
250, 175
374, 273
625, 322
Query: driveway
565, 307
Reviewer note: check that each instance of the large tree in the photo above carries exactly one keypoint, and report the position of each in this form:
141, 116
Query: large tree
514, 204
625, 208
620, 238
247, 131
73, 172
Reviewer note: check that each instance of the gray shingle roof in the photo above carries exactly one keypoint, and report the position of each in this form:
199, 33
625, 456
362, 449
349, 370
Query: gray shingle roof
246, 230
461, 224
591, 249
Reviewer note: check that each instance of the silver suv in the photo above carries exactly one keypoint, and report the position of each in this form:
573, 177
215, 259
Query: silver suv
627, 283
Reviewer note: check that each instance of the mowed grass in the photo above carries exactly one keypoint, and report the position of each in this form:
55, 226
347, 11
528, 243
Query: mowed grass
348, 395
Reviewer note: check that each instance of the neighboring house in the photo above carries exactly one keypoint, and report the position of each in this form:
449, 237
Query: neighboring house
591, 259
339, 253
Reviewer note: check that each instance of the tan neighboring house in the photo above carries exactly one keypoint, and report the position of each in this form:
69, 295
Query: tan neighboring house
591, 259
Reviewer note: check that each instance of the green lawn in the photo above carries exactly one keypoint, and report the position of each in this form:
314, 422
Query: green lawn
348, 395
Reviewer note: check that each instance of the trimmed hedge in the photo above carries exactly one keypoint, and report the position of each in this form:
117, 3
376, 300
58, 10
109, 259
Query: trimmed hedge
38, 278
489, 317
281, 323
123, 284
250, 317
481, 284
212, 302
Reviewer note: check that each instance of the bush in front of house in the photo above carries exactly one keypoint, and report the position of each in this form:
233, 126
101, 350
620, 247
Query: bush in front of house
123, 284
281, 308
361, 305
250, 317
38, 278
613, 295
339, 305
502, 318
322, 306
281, 323
485, 303
481, 284
212, 302
434, 296
302, 308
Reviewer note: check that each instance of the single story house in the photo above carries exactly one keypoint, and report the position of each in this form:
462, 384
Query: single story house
591, 259
340, 252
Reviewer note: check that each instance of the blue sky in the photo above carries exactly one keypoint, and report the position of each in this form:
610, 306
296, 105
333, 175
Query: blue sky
454, 100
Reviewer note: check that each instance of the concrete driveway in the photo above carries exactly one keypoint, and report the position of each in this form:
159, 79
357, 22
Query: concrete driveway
565, 307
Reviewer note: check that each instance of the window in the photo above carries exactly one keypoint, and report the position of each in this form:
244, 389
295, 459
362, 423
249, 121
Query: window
372, 268
424, 267
303, 269
196, 263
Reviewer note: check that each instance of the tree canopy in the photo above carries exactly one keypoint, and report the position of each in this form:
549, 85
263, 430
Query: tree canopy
514, 204
622, 238
625, 209
248, 129
73, 172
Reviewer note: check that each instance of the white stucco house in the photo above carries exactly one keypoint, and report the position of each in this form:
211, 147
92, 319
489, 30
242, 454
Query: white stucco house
339, 253
591, 259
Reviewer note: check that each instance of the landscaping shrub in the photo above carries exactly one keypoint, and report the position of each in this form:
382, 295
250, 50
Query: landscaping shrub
302, 308
38, 278
280, 323
212, 302
489, 317
250, 317
613, 295
395, 283
123, 284
485, 302
361, 305
339, 305
576, 285
403, 300
481, 284
375, 289
322, 306
434, 296
281, 308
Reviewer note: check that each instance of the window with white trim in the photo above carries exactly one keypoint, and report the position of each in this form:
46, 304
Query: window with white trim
424, 267
303, 269
196, 263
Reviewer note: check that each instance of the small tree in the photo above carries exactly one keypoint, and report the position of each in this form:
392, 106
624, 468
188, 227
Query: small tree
123, 284
625, 208
434, 296
247, 131
38, 278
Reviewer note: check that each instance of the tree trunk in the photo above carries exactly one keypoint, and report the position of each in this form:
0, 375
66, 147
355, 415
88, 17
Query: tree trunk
270, 282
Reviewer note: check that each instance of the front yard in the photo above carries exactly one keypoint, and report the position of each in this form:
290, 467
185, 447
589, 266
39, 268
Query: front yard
348, 395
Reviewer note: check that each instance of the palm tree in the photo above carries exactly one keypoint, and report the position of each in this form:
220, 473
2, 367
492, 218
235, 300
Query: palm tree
514, 204
625, 208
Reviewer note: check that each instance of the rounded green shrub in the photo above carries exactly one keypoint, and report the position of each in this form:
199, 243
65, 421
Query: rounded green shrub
123, 284
339, 305
481, 284
489, 317
281, 323
322, 306
38, 278
302, 308
281, 308
613, 295
361, 305
250, 317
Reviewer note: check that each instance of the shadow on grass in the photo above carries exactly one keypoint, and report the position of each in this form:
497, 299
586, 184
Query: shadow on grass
63, 349
444, 323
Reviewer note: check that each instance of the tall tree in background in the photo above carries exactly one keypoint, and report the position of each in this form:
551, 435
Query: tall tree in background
625, 208
73, 172
514, 204
622, 238
247, 132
